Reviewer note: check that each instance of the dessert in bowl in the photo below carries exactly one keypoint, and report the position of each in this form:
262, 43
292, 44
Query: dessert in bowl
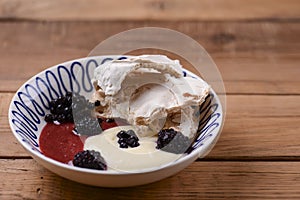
116, 121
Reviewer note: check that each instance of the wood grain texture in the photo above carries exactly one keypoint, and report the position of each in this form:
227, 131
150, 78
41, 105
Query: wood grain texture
25, 179
10, 145
253, 57
256, 127
149, 9
254, 43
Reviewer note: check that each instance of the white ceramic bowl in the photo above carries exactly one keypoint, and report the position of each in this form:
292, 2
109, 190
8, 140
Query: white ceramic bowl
30, 104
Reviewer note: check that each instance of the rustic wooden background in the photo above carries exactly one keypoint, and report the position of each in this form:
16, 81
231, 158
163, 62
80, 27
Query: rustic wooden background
256, 45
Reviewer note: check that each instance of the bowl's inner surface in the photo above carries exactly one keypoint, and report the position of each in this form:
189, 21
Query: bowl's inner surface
31, 102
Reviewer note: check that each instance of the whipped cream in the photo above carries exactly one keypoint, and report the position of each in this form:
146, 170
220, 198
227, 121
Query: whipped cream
151, 93
145, 156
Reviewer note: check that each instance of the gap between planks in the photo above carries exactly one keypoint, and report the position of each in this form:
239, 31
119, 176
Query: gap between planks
207, 159
149, 10
25, 179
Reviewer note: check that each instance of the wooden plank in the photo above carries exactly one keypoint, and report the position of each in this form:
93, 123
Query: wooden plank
246, 53
258, 138
25, 179
239, 106
149, 9
260, 75
10, 145
260, 38
256, 127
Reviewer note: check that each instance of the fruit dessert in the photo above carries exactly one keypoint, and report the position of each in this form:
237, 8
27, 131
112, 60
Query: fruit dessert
143, 114
70, 114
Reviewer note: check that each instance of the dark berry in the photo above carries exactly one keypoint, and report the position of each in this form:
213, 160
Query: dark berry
87, 125
123, 145
110, 120
70, 117
90, 106
172, 141
122, 134
89, 159
74, 108
97, 103
81, 107
61, 118
121, 140
69, 94
105, 125
100, 120
52, 110
66, 109
127, 139
49, 118
60, 109
131, 141
131, 133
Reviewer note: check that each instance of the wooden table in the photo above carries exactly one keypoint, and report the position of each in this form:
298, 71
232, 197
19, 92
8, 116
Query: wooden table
256, 47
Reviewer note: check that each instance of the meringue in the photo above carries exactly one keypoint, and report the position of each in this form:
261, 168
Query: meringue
151, 93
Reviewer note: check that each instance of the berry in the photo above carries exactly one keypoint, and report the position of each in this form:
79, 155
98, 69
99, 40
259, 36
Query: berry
172, 141
121, 134
81, 107
131, 133
60, 109
127, 139
97, 103
89, 159
110, 120
49, 118
123, 145
87, 125
107, 125
100, 120
74, 108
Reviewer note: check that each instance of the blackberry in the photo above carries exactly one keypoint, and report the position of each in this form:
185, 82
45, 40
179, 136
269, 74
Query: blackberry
97, 103
60, 109
81, 107
87, 125
109, 120
128, 139
49, 118
100, 120
172, 141
76, 109
89, 159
